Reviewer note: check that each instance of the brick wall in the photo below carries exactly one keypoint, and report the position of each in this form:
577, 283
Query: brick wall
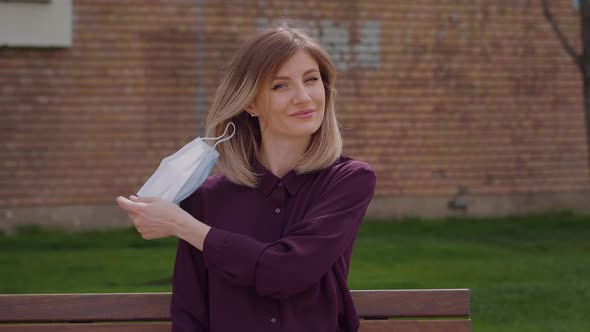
434, 94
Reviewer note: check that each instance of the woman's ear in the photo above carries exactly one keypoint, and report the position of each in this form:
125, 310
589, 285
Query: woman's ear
250, 110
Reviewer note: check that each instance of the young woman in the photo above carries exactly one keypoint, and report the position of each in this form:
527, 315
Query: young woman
265, 245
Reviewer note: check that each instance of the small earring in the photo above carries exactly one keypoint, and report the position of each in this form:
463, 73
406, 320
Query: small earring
253, 115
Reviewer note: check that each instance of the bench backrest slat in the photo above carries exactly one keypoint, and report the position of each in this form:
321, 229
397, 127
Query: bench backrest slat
412, 303
84, 307
155, 306
82, 327
366, 326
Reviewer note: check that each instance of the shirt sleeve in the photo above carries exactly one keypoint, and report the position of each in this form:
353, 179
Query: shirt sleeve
189, 310
299, 260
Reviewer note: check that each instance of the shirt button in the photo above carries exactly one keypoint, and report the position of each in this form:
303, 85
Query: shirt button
273, 320
277, 211
280, 183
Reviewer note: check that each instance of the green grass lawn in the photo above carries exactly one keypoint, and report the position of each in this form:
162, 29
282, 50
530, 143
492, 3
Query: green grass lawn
529, 273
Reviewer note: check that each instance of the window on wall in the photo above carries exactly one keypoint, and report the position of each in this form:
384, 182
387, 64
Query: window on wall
36, 23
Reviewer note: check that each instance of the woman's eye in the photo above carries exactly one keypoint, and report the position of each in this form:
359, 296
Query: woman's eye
278, 86
312, 78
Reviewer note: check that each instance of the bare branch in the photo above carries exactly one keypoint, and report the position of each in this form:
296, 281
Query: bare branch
562, 39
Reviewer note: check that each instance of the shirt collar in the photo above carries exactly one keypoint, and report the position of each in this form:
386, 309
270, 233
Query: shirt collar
267, 181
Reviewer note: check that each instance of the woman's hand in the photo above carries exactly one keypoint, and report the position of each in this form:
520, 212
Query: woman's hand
153, 217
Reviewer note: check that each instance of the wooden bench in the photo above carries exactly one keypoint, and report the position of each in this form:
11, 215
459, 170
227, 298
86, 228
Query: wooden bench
444, 310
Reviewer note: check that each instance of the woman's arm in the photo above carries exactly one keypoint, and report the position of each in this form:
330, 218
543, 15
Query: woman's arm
279, 269
155, 218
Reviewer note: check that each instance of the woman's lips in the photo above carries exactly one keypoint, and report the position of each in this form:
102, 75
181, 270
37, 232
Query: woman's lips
304, 115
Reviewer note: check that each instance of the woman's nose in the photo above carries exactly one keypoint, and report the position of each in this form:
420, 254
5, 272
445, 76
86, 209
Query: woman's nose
301, 95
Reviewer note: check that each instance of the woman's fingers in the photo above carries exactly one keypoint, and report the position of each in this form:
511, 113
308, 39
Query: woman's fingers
129, 205
148, 214
126, 204
142, 199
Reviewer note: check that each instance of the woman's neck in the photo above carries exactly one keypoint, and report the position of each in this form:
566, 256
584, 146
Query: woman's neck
280, 155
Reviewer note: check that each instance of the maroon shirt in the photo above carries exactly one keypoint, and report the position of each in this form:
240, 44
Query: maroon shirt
277, 257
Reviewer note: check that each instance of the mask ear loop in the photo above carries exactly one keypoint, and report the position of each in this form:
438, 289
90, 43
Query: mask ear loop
221, 140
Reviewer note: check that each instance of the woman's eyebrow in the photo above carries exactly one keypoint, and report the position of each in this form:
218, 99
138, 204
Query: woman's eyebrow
305, 73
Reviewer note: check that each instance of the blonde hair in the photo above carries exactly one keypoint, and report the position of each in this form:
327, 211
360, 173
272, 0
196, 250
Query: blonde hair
256, 61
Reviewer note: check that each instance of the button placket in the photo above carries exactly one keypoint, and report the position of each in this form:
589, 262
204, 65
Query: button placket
281, 191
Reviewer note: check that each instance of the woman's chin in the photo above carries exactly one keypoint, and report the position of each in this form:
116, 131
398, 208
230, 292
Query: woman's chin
305, 129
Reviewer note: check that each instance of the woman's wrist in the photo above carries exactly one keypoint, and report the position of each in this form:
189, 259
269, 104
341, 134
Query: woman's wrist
191, 230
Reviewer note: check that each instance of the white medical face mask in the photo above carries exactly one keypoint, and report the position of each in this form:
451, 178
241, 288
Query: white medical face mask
180, 174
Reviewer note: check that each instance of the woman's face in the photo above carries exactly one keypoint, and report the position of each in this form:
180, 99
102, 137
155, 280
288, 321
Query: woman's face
292, 105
